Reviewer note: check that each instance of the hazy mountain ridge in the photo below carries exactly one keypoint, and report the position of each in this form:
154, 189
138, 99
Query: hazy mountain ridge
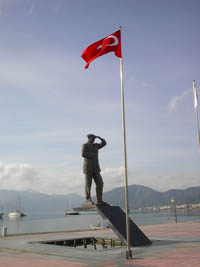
139, 197
36, 201
142, 196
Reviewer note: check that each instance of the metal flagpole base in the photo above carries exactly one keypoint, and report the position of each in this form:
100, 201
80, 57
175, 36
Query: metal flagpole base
128, 254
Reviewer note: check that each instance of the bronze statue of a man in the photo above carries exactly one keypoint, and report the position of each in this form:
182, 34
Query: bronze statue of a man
91, 168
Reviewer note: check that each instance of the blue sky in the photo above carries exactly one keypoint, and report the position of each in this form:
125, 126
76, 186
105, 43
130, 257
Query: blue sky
49, 102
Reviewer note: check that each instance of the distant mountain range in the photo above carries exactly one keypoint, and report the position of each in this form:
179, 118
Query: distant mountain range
142, 196
139, 197
35, 201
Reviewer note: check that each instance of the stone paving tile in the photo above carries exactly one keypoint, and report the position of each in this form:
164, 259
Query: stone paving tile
172, 230
36, 262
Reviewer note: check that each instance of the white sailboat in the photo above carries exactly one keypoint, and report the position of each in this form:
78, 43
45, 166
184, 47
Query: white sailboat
17, 213
71, 211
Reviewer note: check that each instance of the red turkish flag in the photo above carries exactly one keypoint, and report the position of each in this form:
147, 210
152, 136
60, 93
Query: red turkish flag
111, 43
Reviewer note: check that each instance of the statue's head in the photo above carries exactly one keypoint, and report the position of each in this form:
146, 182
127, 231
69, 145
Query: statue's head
91, 138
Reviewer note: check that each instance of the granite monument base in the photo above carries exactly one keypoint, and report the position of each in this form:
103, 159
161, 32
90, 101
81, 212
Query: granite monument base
116, 219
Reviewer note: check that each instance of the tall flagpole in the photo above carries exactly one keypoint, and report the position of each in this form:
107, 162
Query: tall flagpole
196, 111
128, 250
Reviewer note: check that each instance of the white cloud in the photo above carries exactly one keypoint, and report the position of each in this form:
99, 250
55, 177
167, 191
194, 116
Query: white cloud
17, 176
20, 176
113, 177
176, 99
53, 180
64, 181
61, 180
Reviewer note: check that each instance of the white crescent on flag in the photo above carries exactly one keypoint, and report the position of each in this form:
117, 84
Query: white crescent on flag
116, 41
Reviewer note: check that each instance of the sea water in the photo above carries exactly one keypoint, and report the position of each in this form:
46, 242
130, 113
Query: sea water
58, 221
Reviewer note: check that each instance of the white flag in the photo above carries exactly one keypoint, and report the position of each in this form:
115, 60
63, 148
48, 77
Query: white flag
195, 97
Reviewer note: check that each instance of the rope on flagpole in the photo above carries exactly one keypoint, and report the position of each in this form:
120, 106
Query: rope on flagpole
128, 250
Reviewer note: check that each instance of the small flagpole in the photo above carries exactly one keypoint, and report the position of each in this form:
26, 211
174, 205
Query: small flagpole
196, 111
128, 250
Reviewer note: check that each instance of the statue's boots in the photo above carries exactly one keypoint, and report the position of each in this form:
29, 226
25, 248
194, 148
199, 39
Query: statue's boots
89, 202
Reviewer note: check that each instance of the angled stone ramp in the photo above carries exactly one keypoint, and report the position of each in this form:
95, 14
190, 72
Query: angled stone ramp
116, 219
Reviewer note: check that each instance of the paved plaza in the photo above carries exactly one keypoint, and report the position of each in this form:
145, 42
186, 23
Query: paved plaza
173, 245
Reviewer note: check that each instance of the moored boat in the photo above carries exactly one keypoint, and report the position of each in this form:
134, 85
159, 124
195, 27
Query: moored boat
16, 214
72, 212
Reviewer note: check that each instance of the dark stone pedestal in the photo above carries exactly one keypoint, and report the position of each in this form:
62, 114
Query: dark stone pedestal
116, 219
